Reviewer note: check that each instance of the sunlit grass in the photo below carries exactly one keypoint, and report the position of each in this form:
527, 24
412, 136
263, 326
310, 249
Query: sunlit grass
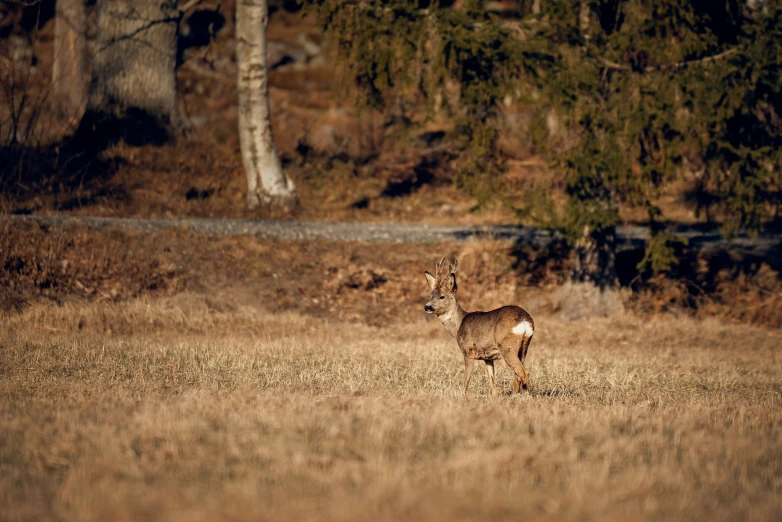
189, 414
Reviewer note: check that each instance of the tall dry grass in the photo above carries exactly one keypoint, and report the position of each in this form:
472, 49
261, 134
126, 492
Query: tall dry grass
191, 410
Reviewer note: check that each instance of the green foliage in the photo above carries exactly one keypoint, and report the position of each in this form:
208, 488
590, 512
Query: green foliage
659, 255
458, 61
384, 45
738, 127
651, 89
646, 90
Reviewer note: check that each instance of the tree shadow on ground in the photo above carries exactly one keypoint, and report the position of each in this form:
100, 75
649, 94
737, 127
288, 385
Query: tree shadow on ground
702, 259
424, 173
75, 168
28, 173
704, 276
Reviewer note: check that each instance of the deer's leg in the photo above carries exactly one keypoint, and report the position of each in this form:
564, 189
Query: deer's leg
523, 358
522, 377
469, 366
524, 348
511, 351
490, 375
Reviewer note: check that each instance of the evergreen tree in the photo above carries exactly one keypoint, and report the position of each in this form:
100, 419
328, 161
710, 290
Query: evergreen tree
459, 61
659, 87
646, 89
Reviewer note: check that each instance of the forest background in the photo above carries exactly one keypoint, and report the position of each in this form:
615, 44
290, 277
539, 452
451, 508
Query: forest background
575, 116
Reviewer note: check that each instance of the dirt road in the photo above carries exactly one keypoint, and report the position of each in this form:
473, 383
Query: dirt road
627, 236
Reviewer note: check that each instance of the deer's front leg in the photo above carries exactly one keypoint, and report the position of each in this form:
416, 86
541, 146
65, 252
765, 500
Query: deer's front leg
490, 375
469, 366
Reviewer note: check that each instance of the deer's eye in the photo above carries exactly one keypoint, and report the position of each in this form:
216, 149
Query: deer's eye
442, 297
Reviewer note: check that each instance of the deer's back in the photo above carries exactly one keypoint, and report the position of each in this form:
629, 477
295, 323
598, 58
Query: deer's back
481, 333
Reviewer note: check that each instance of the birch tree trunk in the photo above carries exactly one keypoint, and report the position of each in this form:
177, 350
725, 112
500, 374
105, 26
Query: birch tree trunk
266, 181
70, 79
133, 92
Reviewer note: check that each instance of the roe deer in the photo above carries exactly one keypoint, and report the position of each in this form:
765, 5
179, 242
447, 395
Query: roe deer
505, 332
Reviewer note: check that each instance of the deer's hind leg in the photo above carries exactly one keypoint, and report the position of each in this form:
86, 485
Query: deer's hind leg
512, 350
524, 348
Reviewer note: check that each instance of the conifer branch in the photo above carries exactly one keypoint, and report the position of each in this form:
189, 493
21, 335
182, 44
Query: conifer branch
608, 64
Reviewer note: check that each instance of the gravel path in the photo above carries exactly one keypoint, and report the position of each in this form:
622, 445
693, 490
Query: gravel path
627, 237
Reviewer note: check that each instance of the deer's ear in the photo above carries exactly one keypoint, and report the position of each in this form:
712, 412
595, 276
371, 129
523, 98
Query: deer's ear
450, 283
430, 279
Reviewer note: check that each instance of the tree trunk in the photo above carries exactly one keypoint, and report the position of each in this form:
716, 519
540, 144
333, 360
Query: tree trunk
536, 7
266, 181
594, 258
69, 70
583, 23
133, 93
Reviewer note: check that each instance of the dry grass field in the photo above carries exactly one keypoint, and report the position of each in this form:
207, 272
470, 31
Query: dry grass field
189, 413
172, 376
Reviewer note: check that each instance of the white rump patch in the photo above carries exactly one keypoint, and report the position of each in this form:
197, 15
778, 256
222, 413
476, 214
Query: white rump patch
523, 328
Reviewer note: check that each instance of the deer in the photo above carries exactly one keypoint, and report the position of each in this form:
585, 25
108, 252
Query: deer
505, 332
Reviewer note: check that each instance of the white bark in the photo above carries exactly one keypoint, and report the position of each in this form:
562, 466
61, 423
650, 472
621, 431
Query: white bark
584, 21
70, 79
266, 181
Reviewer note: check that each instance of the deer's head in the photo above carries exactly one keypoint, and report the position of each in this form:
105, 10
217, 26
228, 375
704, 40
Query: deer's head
443, 286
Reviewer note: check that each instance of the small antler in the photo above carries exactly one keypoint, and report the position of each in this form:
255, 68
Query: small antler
441, 267
447, 267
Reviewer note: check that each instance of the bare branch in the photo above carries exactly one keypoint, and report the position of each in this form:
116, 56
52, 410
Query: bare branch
189, 5
608, 64
687, 63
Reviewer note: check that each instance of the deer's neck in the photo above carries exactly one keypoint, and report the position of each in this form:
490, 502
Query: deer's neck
452, 319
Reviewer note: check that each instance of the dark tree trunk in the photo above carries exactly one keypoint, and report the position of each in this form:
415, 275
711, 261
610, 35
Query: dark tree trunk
70, 79
594, 258
133, 92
